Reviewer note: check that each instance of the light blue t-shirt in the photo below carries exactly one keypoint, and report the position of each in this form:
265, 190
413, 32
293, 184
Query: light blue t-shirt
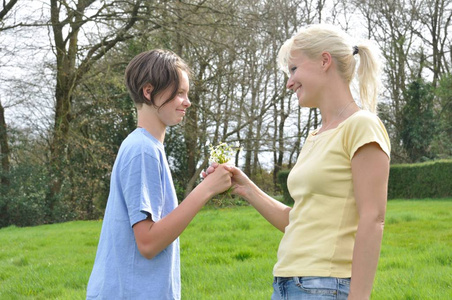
141, 186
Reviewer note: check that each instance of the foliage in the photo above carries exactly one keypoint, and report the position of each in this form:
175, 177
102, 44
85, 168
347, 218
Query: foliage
24, 201
264, 179
229, 254
282, 179
105, 115
418, 122
442, 141
422, 180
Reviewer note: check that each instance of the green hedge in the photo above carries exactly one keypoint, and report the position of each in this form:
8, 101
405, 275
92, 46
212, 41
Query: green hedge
423, 180
407, 181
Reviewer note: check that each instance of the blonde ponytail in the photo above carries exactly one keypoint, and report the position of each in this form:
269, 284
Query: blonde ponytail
368, 76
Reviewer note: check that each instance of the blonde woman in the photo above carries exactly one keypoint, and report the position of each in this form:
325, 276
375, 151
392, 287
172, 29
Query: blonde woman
332, 235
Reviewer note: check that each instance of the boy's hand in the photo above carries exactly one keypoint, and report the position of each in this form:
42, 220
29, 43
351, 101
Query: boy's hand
219, 180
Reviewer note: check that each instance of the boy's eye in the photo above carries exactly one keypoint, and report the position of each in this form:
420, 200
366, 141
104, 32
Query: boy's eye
292, 69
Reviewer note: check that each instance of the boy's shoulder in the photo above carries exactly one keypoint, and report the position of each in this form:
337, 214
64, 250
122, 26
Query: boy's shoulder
139, 142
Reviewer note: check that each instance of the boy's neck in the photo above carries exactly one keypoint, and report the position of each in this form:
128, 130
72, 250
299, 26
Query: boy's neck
160, 138
148, 120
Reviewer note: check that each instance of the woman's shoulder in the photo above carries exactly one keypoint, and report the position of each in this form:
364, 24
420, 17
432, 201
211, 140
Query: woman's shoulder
364, 127
362, 115
363, 118
364, 123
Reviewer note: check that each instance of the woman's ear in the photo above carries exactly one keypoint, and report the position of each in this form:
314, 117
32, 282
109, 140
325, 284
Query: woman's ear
326, 60
147, 90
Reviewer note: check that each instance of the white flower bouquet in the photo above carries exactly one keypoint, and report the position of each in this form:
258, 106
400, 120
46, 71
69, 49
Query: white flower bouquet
222, 153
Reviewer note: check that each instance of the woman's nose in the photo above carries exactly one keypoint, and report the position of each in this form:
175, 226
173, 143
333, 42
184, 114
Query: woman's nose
289, 84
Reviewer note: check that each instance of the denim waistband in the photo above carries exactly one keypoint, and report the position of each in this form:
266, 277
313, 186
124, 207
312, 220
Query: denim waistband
326, 281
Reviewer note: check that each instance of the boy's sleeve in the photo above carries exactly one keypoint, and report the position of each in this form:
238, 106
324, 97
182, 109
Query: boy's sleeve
143, 189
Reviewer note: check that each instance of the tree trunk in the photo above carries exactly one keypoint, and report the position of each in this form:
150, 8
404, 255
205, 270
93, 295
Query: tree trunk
4, 172
4, 147
191, 139
191, 131
65, 81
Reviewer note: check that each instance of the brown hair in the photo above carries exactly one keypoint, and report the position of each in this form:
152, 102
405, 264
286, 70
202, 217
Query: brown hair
159, 68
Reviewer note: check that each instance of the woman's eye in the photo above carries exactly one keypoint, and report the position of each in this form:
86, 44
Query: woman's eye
292, 70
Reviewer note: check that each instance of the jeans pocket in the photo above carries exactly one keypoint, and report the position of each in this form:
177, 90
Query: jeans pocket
317, 285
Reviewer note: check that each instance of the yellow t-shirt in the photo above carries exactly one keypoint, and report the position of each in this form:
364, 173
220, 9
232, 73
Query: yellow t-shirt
320, 237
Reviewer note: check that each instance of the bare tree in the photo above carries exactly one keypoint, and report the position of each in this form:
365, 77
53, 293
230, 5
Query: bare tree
435, 18
74, 60
4, 147
390, 24
7, 7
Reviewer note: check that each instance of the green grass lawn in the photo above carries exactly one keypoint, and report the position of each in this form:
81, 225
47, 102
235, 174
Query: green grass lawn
229, 254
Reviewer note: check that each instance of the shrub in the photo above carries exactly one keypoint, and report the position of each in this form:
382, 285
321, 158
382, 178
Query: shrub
282, 179
422, 180
24, 201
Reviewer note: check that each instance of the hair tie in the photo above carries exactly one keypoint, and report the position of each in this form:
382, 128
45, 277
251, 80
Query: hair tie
355, 50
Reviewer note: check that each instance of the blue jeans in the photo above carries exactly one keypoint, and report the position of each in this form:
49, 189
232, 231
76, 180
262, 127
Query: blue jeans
310, 288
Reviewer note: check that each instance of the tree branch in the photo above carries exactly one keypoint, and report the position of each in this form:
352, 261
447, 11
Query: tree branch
7, 6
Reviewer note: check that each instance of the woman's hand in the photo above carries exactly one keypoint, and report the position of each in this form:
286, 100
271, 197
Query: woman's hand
209, 170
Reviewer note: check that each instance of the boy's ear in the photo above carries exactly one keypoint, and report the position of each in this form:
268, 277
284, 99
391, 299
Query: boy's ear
147, 90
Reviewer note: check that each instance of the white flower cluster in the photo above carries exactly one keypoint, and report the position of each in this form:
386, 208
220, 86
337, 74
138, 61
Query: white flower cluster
221, 154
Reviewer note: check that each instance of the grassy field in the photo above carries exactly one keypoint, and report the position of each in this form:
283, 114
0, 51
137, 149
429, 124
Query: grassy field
229, 254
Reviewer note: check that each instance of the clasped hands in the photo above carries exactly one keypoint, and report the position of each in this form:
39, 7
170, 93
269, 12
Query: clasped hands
238, 179
209, 170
